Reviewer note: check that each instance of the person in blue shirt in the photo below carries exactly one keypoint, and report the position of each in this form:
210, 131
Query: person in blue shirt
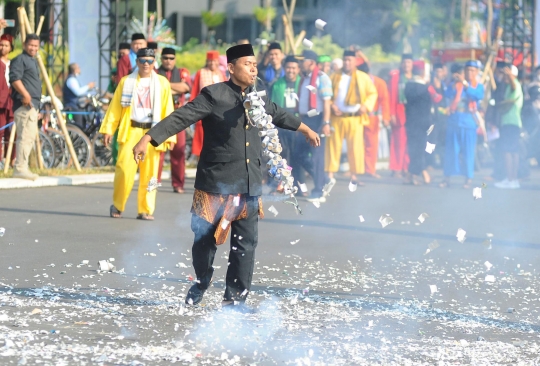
73, 91
271, 73
464, 96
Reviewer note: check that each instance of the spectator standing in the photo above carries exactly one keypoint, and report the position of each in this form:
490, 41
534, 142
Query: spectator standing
274, 70
26, 94
73, 91
510, 112
6, 103
128, 62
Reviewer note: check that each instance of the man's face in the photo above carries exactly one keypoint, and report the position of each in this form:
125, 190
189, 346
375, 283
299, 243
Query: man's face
244, 71
325, 67
407, 65
212, 65
349, 63
76, 70
470, 73
308, 66
146, 65
291, 71
122, 52
138, 44
275, 57
168, 61
5, 48
439, 74
32, 47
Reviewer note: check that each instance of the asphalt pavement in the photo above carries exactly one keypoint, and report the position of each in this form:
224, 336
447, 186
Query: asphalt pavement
330, 287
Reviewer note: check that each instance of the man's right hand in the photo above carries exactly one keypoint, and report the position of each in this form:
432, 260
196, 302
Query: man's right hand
26, 100
107, 139
91, 85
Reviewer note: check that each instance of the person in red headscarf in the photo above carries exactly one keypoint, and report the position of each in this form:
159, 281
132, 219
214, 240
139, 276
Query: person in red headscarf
6, 103
208, 75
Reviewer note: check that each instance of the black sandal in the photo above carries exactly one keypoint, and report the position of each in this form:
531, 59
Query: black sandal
115, 213
145, 216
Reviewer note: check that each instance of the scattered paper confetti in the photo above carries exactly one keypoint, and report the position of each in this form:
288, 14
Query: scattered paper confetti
319, 24
236, 201
385, 220
430, 147
28, 221
361, 218
432, 246
2, 231
295, 241
423, 217
153, 184
433, 288
273, 210
488, 265
353, 186
307, 43
244, 293
490, 278
461, 235
303, 187
317, 203
477, 193
312, 113
430, 129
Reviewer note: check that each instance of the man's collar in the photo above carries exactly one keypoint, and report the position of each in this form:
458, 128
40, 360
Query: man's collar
237, 88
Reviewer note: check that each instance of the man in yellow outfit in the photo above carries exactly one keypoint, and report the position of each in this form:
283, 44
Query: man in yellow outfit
354, 98
141, 100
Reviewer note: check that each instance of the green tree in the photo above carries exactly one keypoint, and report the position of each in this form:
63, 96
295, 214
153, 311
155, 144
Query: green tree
265, 16
407, 19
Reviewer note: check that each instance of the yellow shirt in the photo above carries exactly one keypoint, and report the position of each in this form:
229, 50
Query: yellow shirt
119, 118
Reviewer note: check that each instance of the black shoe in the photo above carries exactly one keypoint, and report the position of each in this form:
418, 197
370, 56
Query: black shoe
194, 295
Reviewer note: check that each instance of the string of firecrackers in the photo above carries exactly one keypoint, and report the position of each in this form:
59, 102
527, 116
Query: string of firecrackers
277, 166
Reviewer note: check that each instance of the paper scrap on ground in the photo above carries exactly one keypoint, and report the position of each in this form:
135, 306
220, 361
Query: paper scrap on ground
303, 187
490, 278
319, 24
295, 241
488, 265
273, 210
307, 43
385, 220
433, 288
430, 147
477, 193
461, 235
312, 113
317, 203
361, 218
430, 129
423, 217
2, 231
432, 246
353, 186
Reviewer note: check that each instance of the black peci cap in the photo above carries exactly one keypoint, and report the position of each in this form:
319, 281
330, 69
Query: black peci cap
146, 52
137, 36
241, 50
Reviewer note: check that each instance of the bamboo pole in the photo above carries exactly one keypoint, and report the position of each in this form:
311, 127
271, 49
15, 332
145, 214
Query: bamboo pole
59, 114
298, 41
288, 31
41, 20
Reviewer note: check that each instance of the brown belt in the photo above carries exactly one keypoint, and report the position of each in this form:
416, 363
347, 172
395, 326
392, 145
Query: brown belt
343, 114
141, 124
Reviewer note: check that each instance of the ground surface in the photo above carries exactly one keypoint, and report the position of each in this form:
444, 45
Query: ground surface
347, 293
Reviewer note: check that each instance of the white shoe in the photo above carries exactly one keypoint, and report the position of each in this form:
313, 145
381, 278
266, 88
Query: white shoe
25, 175
504, 184
514, 184
328, 187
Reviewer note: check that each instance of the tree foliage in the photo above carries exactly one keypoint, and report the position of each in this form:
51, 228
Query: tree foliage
213, 20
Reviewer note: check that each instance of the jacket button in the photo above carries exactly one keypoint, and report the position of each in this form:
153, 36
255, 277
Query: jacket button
247, 126
247, 160
247, 143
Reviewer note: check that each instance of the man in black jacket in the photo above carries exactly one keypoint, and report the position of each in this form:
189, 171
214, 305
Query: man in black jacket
228, 184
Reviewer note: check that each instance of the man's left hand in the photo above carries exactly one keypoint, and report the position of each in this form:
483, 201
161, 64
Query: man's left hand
139, 151
363, 110
326, 129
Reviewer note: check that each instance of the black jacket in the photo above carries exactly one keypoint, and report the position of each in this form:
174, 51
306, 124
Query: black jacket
231, 156
418, 107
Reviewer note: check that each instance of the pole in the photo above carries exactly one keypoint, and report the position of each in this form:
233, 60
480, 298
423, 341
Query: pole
159, 10
59, 114
145, 18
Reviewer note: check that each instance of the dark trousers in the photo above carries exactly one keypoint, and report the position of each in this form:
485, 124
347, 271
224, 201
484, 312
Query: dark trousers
416, 146
310, 158
178, 161
244, 239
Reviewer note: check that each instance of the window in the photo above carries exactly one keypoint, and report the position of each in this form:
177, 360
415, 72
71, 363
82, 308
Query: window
191, 29
241, 28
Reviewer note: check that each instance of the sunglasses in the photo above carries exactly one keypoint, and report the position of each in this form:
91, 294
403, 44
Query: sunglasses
168, 58
143, 61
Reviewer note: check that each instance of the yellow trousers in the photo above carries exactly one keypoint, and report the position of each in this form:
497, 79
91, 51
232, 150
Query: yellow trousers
352, 130
126, 168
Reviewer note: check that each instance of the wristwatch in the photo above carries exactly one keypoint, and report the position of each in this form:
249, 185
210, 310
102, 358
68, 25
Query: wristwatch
326, 122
